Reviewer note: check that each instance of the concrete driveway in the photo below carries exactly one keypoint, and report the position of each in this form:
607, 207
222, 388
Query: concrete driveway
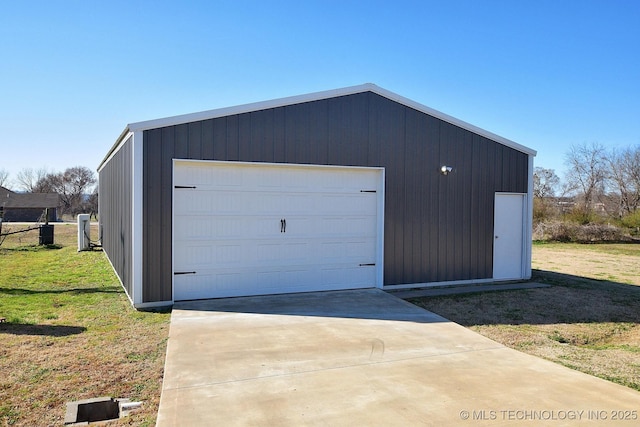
363, 358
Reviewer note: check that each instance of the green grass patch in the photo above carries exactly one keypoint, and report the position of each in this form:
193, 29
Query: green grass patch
71, 333
629, 249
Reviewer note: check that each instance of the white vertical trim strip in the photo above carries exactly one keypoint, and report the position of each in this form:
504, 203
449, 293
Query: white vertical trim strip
380, 242
136, 218
528, 224
174, 164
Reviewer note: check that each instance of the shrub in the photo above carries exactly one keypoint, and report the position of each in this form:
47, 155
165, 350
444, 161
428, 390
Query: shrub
558, 231
582, 216
632, 220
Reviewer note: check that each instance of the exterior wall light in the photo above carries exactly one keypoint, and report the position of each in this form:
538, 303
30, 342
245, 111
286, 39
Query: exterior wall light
444, 170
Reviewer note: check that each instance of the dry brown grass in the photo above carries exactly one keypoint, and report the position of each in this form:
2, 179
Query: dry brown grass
589, 325
72, 334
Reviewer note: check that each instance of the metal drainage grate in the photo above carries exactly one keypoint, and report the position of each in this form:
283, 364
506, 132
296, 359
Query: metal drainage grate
82, 412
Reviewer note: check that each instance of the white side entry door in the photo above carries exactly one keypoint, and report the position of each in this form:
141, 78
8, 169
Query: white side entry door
508, 238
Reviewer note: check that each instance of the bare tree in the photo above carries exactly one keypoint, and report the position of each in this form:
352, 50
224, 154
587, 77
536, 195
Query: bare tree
72, 185
624, 178
545, 182
28, 178
586, 173
4, 177
49, 183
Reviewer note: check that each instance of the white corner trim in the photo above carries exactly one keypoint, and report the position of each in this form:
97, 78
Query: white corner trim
114, 150
247, 108
528, 224
380, 242
136, 217
450, 119
174, 163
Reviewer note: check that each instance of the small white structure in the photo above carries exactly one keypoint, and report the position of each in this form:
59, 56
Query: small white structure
84, 232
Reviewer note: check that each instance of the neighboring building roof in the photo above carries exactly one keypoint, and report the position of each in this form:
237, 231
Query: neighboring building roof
4, 192
281, 102
29, 200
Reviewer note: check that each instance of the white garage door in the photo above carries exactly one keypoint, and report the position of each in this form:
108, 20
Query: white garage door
255, 229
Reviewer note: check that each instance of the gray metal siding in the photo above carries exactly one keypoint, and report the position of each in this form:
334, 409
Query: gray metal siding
437, 228
115, 206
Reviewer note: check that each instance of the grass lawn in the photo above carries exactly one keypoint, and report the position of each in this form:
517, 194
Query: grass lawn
70, 333
589, 320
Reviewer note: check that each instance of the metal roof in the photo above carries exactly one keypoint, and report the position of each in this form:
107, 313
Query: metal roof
30, 200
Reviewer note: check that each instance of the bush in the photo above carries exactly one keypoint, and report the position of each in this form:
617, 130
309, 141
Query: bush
582, 216
632, 220
558, 231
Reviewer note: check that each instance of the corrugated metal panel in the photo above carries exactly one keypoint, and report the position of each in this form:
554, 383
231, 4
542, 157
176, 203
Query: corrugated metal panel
115, 205
437, 228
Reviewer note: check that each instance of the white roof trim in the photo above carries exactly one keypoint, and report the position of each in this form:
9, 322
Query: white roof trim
247, 108
281, 102
447, 118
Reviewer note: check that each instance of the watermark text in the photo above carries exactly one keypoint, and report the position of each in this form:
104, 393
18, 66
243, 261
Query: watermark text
549, 415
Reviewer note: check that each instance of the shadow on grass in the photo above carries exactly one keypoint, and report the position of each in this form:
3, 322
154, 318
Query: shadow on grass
570, 299
20, 291
48, 330
32, 248
571, 280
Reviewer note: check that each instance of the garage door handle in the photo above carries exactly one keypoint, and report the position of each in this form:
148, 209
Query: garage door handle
183, 272
283, 225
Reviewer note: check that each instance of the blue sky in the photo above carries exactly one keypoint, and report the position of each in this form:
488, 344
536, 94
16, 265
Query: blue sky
546, 74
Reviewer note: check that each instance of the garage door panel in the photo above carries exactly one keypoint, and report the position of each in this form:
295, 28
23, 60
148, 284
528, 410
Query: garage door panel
300, 204
228, 230
350, 251
264, 282
348, 226
203, 174
355, 276
194, 255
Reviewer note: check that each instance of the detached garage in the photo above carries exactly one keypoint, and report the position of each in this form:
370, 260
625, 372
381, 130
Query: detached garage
349, 188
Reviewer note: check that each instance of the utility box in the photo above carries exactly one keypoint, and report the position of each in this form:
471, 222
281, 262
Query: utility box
84, 232
46, 234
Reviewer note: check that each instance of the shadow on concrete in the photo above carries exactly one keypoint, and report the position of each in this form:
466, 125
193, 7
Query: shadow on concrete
354, 304
48, 330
